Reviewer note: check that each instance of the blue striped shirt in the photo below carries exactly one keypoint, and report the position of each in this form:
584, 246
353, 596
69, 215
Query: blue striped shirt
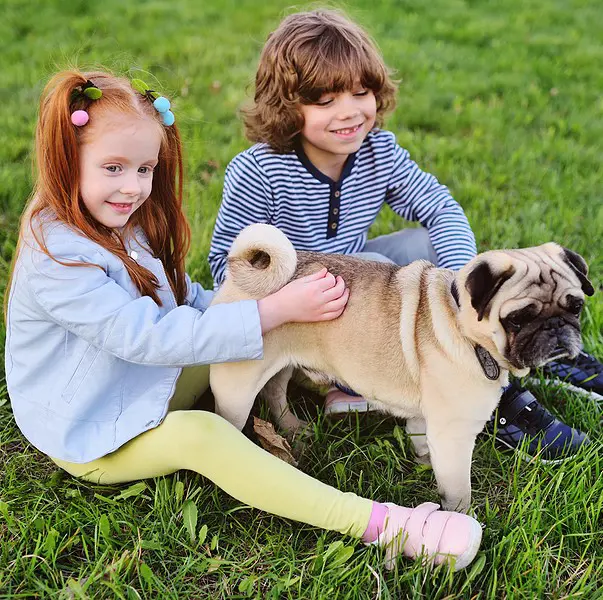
319, 214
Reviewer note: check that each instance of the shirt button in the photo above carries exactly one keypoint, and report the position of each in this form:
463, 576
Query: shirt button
134, 255
333, 225
335, 211
337, 194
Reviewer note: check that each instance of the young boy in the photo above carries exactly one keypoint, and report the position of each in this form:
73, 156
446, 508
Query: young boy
321, 172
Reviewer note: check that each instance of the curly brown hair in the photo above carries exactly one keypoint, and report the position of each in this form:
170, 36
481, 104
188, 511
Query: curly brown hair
308, 55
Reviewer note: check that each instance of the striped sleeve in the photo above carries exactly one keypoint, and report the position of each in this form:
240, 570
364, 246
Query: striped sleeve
418, 196
246, 199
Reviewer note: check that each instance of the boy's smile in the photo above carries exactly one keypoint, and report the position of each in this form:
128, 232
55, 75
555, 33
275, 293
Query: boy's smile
116, 167
335, 127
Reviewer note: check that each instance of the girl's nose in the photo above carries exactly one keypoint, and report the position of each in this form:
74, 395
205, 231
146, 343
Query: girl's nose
131, 185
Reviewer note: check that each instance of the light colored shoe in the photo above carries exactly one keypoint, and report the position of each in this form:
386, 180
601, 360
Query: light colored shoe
338, 403
436, 536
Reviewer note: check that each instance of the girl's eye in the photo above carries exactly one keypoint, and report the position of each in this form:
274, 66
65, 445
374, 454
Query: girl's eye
145, 170
112, 168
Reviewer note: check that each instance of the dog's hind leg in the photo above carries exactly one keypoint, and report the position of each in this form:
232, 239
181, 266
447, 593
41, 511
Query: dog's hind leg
236, 385
275, 393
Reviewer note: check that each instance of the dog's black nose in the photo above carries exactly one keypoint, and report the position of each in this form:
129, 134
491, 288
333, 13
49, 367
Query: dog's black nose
554, 323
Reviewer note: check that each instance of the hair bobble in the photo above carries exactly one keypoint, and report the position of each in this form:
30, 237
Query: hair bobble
161, 103
86, 91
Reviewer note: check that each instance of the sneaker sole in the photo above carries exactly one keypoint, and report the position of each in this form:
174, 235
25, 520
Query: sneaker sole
567, 386
342, 408
529, 458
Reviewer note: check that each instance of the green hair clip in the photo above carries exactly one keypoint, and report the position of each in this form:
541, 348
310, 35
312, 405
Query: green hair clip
161, 103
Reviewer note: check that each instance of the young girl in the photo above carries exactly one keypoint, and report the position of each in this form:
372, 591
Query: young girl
322, 171
108, 340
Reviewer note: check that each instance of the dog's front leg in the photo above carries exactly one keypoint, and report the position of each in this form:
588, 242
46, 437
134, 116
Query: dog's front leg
416, 429
451, 448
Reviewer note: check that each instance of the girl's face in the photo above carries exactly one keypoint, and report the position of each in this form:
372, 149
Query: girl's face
336, 125
116, 166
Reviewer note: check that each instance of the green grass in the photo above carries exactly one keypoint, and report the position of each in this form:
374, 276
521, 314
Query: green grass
502, 101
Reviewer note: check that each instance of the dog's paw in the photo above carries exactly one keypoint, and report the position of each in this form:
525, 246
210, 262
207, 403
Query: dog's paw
424, 459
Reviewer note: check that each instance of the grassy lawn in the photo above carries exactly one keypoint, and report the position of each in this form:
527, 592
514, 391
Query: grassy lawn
502, 101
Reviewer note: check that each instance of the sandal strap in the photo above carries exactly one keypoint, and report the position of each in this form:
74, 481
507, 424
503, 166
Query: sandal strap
414, 529
434, 528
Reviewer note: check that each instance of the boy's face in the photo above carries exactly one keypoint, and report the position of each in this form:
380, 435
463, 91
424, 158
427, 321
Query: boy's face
336, 125
116, 167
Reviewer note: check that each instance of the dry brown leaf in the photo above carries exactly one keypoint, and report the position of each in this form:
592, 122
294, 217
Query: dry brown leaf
273, 442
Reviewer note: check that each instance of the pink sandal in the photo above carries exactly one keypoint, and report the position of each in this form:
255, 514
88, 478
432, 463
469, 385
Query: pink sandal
437, 536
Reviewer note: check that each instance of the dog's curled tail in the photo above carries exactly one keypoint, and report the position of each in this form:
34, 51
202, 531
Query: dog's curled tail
261, 260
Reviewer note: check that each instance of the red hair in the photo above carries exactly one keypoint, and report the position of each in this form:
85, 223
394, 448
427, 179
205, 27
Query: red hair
57, 187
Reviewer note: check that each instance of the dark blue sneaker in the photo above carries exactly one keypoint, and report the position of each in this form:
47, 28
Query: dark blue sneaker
584, 374
520, 417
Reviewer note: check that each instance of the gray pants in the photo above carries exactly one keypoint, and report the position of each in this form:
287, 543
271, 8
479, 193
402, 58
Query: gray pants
401, 247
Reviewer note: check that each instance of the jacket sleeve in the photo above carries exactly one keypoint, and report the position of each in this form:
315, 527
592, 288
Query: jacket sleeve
246, 199
418, 196
196, 296
90, 304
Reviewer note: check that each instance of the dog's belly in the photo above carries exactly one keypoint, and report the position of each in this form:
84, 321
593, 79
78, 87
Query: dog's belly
376, 373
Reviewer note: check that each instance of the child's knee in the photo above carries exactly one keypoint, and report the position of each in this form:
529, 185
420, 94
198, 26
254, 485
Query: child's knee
199, 427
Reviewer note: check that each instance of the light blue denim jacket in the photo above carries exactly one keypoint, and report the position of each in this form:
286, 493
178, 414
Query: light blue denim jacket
90, 364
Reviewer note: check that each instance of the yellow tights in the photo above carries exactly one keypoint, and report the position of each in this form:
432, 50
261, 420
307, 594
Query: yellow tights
207, 444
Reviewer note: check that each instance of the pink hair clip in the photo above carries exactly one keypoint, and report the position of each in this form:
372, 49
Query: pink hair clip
79, 118
87, 91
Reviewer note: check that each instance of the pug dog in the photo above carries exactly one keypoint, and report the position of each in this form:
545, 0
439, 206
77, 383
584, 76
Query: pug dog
427, 344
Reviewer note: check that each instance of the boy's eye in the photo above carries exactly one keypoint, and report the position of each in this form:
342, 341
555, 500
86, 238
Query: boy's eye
324, 101
361, 93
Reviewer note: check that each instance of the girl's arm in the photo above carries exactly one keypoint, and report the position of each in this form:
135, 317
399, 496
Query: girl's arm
418, 196
90, 304
246, 199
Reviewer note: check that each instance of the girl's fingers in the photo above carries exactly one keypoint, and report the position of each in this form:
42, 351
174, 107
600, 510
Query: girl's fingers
336, 291
338, 304
314, 276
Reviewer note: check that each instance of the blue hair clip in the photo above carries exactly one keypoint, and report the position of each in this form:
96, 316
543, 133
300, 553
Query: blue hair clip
161, 103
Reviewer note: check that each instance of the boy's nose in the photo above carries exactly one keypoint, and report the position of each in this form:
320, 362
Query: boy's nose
347, 108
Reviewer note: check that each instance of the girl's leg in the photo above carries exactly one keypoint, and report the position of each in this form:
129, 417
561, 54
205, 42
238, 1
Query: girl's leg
204, 442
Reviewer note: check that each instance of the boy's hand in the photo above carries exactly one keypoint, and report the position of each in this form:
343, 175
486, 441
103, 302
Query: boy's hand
316, 297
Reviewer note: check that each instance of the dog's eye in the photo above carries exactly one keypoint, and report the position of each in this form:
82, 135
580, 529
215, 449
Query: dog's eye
575, 305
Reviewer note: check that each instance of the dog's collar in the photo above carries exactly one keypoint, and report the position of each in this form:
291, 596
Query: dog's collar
486, 361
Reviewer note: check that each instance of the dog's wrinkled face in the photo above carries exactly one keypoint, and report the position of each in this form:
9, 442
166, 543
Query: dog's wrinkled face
526, 303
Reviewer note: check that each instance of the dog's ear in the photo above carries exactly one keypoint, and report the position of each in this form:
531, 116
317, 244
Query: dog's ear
483, 283
578, 265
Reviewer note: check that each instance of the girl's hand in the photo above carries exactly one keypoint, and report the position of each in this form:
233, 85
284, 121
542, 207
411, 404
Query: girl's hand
316, 297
